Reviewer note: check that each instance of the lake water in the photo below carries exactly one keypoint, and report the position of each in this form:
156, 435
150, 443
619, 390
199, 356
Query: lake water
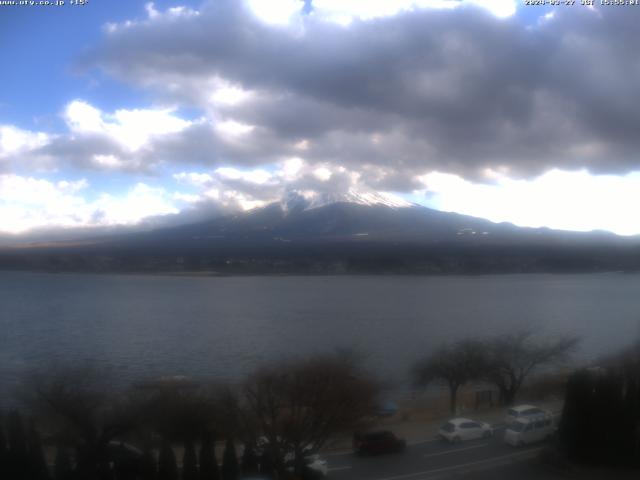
221, 328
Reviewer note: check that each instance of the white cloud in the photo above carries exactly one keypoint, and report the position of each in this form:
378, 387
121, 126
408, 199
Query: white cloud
15, 141
133, 129
570, 200
28, 202
187, 197
245, 202
232, 129
344, 12
258, 176
276, 12
237, 189
82, 117
153, 15
500, 8
108, 161
290, 168
139, 202
151, 10
226, 93
194, 178
322, 173
220, 186
72, 186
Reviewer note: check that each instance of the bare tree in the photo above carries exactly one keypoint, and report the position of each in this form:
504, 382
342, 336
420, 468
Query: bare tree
189, 462
37, 462
84, 411
513, 357
181, 415
230, 466
17, 458
167, 465
455, 365
299, 406
208, 462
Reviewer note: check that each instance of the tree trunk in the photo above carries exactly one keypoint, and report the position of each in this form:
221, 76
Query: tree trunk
453, 398
509, 396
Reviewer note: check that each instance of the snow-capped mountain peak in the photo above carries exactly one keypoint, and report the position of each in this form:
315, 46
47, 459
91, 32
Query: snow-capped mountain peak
297, 200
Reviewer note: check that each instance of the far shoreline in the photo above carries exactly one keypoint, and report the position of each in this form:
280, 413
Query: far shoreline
218, 274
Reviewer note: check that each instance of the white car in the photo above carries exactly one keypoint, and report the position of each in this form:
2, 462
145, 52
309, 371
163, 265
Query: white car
460, 429
529, 430
525, 411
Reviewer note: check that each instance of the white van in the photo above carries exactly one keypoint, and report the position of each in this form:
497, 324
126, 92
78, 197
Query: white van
529, 430
524, 411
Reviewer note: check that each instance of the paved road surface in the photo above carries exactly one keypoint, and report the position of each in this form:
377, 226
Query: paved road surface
430, 459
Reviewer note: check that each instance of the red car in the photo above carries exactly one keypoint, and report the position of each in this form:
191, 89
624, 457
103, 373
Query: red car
377, 443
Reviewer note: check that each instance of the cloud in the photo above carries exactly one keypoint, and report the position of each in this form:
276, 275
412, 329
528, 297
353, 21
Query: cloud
14, 140
132, 129
403, 86
603, 202
17, 145
120, 140
259, 176
353, 96
141, 201
28, 202
235, 189
276, 12
124, 140
194, 178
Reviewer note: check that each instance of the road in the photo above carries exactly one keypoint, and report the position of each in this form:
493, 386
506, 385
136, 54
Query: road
429, 459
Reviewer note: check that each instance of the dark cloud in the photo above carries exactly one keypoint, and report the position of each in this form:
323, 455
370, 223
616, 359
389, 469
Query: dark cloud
294, 117
202, 144
84, 150
454, 90
267, 191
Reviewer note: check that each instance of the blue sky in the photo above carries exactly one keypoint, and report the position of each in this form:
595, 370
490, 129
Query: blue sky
114, 113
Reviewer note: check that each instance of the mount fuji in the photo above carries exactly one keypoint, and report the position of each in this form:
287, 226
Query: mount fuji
296, 201
356, 232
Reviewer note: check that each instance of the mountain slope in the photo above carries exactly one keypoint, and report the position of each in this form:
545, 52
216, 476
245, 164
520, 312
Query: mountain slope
368, 236
349, 221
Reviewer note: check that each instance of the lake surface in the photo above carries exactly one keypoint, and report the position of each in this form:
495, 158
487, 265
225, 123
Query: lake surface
223, 327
